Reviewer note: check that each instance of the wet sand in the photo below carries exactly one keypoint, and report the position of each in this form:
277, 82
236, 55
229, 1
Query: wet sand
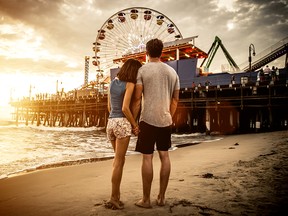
238, 175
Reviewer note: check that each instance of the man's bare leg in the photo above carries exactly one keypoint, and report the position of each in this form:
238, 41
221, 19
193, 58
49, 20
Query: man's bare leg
147, 177
164, 176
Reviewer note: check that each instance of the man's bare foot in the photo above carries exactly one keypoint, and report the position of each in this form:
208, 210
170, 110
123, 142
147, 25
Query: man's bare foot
142, 204
160, 201
121, 203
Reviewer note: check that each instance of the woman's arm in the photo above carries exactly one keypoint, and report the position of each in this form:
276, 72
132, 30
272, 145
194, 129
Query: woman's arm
108, 102
126, 104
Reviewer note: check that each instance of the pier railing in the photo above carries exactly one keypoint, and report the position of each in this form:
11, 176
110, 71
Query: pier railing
267, 54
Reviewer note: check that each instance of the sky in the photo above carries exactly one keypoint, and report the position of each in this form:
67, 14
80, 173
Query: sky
42, 41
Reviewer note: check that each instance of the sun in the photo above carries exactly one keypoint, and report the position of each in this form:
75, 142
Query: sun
17, 86
230, 26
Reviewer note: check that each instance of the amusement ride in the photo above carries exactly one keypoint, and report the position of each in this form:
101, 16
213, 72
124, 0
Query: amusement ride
127, 31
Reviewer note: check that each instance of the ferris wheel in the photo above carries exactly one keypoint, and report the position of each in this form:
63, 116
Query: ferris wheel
127, 31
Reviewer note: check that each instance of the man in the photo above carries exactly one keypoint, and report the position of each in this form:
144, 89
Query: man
159, 85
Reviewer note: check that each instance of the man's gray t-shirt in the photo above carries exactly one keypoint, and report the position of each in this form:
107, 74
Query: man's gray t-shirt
159, 81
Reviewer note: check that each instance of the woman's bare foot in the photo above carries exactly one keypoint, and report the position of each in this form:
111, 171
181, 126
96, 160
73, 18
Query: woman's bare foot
116, 204
142, 204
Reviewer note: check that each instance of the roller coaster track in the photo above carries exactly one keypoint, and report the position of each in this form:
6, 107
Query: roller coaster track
268, 55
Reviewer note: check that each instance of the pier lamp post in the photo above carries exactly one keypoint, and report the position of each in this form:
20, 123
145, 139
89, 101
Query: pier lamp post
30, 91
251, 48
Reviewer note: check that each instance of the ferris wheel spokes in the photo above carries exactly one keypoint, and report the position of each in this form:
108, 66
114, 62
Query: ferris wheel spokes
127, 31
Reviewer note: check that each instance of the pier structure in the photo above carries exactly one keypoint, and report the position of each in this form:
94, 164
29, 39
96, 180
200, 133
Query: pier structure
221, 105
241, 107
227, 102
70, 111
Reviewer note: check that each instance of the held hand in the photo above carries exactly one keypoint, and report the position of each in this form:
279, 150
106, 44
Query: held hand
136, 130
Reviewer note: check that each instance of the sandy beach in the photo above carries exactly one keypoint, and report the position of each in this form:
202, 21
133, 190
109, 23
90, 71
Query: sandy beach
238, 175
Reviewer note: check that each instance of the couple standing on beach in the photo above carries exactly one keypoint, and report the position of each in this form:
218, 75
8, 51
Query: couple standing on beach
158, 84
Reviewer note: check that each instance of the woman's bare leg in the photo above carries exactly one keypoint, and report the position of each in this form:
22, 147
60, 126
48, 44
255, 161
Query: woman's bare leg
120, 148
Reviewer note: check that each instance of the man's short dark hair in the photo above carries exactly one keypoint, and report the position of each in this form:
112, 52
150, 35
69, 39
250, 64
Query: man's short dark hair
154, 48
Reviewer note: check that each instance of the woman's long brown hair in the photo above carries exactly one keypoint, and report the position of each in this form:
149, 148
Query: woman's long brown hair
129, 70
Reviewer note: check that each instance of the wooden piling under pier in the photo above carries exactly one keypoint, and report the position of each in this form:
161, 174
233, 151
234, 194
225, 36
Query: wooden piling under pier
233, 108
80, 112
229, 109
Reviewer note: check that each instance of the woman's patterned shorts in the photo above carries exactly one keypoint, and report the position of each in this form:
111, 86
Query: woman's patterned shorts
118, 128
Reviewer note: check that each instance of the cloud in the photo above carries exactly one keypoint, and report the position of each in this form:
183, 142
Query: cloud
30, 66
67, 29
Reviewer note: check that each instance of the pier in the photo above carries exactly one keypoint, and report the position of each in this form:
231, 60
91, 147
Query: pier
233, 108
86, 111
238, 107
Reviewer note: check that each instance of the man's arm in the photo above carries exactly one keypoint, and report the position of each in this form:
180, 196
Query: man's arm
136, 101
174, 102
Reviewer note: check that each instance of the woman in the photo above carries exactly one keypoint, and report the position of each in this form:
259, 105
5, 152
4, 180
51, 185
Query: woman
121, 123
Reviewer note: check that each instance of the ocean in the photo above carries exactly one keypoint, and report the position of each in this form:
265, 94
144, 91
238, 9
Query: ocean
28, 148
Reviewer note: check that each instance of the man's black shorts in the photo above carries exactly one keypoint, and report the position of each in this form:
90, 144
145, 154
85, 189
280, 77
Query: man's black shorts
149, 135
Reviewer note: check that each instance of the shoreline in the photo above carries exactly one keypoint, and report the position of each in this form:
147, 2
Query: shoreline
240, 174
56, 165
81, 161
31, 166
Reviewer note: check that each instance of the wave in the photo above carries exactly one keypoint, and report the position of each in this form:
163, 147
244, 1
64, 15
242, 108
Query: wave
73, 162
109, 156
188, 135
72, 129
11, 125
42, 147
